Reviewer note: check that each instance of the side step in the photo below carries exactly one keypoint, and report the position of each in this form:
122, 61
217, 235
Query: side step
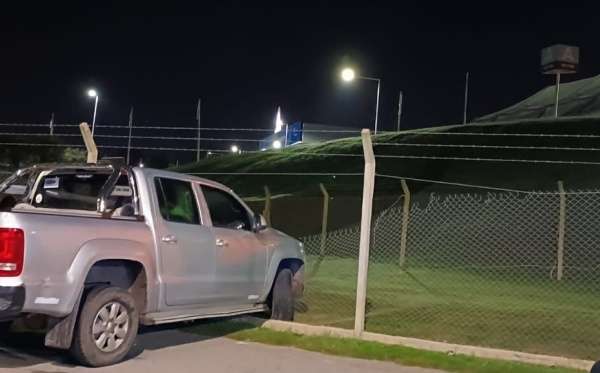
156, 318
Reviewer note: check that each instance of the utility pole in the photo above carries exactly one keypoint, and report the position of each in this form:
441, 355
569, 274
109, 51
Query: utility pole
466, 99
198, 136
399, 112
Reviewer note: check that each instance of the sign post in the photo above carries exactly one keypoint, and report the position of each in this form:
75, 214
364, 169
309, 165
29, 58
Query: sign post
559, 59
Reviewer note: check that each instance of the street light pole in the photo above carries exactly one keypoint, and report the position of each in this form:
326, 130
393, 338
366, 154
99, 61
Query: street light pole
348, 75
93, 93
377, 105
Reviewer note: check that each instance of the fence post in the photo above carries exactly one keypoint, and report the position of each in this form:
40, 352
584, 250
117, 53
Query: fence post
561, 231
405, 212
90, 144
365, 233
325, 217
267, 210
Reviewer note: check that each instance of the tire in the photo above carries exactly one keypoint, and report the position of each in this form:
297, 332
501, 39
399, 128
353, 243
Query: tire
120, 328
282, 301
4, 329
595, 368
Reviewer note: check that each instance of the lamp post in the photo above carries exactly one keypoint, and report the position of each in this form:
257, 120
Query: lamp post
93, 93
349, 75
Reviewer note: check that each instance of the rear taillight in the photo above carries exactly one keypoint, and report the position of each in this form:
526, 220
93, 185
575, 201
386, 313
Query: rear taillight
12, 252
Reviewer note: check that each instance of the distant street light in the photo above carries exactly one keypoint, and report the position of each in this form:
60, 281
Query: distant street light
235, 149
93, 93
349, 75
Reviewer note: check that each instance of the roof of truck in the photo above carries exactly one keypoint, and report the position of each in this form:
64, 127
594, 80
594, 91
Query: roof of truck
156, 172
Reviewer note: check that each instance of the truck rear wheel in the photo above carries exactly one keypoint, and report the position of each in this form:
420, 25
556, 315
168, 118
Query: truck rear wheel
282, 301
106, 328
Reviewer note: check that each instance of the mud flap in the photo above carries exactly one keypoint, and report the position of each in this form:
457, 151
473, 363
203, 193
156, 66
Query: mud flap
59, 333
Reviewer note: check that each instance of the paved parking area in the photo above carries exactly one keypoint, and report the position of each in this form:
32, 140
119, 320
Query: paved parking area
174, 351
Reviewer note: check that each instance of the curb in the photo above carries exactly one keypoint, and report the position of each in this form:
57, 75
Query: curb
448, 348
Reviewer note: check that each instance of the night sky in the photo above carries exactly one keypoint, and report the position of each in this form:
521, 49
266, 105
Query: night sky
243, 60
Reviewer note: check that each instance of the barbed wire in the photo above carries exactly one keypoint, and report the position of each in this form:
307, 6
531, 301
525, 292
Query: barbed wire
507, 147
466, 146
357, 131
116, 147
423, 133
277, 173
543, 161
135, 137
384, 156
411, 132
478, 186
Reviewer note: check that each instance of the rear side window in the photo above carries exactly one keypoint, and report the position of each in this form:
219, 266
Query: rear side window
176, 201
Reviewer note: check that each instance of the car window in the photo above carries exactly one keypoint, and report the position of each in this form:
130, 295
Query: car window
176, 201
75, 189
225, 210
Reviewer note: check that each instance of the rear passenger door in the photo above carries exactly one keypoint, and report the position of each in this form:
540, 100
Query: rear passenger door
241, 256
187, 246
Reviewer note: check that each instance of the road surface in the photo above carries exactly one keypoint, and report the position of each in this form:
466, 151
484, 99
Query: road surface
172, 351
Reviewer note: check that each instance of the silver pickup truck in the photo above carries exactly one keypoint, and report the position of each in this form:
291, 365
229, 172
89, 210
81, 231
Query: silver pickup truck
95, 250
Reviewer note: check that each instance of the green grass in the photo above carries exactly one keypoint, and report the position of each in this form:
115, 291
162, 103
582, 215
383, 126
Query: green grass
371, 350
536, 316
320, 157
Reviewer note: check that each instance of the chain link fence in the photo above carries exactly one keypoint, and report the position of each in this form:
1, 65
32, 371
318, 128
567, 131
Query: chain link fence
4, 175
515, 271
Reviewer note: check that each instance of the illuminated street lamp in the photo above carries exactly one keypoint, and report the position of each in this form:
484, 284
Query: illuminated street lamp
349, 75
235, 149
93, 93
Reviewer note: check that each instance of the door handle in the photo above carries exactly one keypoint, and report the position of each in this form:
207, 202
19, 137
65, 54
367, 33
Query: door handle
221, 243
170, 239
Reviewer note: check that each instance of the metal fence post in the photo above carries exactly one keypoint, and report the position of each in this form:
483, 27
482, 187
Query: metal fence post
405, 212
561, 231
365, 233
325, 218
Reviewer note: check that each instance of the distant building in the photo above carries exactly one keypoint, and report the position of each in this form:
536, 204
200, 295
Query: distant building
301, 132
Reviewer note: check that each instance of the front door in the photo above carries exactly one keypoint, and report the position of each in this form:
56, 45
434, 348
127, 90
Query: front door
241, 257
187, 249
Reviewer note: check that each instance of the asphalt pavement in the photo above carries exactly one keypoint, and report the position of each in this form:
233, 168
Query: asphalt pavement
169, 351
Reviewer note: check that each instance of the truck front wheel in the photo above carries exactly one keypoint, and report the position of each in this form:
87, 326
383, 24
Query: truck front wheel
106, 328
282, 301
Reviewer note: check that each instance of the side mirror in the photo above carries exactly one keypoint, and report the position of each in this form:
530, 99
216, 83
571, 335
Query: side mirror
259, 223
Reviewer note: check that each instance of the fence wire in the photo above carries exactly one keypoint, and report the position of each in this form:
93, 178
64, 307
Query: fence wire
478, 269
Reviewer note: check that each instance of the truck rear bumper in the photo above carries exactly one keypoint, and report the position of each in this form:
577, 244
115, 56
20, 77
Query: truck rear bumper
12, 300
